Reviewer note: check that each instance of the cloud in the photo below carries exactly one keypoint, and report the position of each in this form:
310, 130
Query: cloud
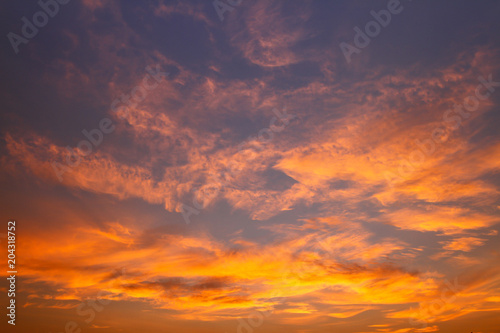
200, 277
446, 220
465, 244
344, 225
268, 37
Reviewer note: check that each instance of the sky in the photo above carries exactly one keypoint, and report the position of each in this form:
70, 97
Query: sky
251, 165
